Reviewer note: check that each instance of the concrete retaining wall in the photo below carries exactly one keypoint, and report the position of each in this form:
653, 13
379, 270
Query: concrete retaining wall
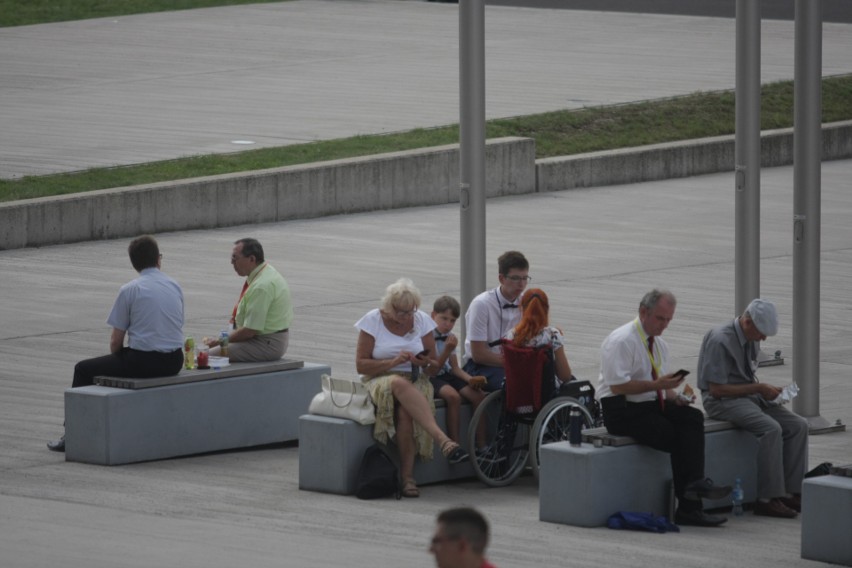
678, 159
412, 178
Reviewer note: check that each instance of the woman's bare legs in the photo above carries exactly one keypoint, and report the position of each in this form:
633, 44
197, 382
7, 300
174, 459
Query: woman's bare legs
405, 443
417, 407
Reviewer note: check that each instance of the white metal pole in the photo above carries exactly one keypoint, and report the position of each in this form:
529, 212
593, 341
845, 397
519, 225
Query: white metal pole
472, 143
807, 156
747, 156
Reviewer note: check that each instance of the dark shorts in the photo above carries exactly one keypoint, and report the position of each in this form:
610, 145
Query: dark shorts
440, 381
495, 375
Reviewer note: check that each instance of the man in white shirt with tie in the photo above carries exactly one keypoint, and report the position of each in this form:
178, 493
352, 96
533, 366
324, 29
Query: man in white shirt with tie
636, 392
491, 315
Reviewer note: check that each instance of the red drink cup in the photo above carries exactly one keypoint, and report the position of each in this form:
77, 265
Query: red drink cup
203, 361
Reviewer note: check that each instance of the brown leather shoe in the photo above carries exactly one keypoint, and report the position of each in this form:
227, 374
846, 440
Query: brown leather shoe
774, 508
794, 502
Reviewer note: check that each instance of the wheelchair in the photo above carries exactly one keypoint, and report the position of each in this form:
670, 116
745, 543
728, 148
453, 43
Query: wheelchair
526, 413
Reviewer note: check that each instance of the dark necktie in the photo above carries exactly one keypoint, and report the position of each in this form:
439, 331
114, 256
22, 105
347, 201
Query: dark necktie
441, 337
749, 357
509, 306
660, 396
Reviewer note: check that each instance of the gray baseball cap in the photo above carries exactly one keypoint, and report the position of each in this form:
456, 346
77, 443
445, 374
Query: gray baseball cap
764, 316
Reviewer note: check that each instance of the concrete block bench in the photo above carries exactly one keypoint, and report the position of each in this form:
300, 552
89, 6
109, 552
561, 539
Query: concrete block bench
238, 406
331, 449
827, 517
583, 486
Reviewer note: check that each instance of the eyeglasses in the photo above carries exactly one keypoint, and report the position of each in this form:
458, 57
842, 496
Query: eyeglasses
440, 539
404, 313
518, 278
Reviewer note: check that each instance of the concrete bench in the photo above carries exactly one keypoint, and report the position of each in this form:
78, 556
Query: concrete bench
241, 405
583, 486
827, 517
331, 449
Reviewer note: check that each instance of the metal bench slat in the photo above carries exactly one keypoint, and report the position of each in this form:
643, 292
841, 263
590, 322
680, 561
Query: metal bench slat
710, 425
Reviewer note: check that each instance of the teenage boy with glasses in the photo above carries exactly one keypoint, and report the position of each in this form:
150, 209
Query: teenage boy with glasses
491, 315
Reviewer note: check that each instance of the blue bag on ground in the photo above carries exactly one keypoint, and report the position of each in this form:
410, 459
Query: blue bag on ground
626, 520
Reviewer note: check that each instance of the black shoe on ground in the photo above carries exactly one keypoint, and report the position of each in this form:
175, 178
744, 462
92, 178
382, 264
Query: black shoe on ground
57, 445
698, 518
706, 489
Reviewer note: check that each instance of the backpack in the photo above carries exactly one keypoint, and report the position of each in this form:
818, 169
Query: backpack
584, 392
378, 475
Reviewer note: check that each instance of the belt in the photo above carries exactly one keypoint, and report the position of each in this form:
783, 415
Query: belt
282, 331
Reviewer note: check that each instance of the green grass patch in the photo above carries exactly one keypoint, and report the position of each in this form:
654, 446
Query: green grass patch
558, 133
27, 12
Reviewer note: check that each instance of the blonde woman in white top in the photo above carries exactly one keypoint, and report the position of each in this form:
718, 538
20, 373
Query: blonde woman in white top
395, 345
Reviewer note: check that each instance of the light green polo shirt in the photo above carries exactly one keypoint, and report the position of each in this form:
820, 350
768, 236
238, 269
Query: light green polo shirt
265, 307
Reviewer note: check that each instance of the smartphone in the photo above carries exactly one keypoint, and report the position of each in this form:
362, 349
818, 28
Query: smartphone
682, 373
423, 353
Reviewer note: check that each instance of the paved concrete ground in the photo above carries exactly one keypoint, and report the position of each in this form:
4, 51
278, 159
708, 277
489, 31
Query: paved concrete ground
594, 251
150, 87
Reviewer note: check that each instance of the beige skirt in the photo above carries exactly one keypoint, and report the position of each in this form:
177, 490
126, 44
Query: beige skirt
385, 428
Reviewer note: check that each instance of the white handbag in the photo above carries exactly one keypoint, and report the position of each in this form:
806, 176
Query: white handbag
342, 398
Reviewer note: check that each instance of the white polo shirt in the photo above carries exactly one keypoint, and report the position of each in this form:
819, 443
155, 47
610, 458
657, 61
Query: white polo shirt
487, 320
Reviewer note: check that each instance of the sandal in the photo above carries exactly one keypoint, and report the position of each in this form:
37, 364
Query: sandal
409, 488
453, 452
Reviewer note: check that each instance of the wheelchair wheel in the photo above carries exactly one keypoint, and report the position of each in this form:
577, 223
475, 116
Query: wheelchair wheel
505, 454
552, 425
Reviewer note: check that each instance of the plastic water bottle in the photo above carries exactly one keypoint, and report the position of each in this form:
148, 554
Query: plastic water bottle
737, 498
223, 343
574, 425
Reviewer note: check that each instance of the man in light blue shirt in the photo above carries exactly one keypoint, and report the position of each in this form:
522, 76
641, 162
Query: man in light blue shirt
149, 313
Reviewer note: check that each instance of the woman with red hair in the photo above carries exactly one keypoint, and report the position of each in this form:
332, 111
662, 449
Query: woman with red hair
533, 331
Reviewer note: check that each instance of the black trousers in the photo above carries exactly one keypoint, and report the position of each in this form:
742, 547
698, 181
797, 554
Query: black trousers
678, 431
128, 363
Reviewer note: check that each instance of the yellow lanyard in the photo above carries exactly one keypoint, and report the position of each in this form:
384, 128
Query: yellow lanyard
654, 363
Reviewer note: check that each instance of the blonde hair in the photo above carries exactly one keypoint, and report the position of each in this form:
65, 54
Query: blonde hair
401, 295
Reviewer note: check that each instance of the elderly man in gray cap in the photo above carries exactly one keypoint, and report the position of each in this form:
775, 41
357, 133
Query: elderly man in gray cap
727, 378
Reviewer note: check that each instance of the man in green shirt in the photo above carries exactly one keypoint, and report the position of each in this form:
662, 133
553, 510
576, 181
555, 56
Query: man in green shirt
261, 318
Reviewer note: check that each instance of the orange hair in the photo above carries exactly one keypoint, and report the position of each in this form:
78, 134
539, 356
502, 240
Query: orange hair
534, 318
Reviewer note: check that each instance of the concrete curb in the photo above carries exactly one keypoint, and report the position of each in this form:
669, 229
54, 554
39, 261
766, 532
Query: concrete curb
678, 159
388, 181
412, 178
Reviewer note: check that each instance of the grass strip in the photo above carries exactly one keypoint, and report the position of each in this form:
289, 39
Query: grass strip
28, 12
558, 133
